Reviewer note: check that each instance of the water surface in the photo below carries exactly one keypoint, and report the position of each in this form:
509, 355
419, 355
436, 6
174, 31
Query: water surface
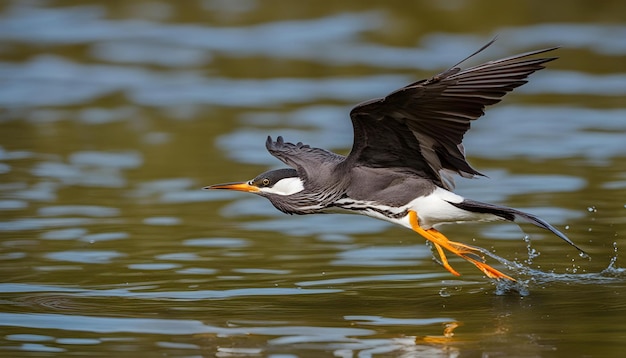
114, 115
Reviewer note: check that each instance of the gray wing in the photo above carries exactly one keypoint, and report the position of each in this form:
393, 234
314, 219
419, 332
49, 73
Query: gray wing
419, 128
304, 158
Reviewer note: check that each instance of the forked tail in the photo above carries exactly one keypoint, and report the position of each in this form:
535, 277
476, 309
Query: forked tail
513, 215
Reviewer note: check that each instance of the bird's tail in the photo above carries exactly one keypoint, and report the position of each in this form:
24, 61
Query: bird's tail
513, 215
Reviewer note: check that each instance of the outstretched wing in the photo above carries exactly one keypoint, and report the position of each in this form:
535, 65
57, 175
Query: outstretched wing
304, 158
420, 127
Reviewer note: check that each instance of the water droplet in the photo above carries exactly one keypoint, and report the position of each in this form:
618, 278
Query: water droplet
614, 258
532, 253
592, 209
444, 292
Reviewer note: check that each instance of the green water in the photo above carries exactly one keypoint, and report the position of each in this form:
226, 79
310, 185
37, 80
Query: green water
114, 115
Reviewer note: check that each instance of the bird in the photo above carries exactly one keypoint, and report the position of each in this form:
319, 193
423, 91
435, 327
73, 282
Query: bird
407, 147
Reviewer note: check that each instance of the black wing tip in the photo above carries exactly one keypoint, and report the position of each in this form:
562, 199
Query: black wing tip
456, 67
520, 55
534, 61
563, 237
473, 54
514, 215
533, 219
540, 51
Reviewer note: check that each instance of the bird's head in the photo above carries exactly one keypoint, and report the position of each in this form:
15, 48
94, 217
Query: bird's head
277, 182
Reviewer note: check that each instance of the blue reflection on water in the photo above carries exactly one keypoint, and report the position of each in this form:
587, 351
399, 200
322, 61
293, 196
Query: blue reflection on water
549, 132
54, 80
46, 81
383, 256
143, 293
42, 223
165, 326
319, 225
79, 210
79, 83
85, 256
64, 234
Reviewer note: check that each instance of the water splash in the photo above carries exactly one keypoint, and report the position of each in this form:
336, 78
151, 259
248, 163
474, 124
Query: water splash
532, 253
612, 270
527, 277
536, 277
504, 287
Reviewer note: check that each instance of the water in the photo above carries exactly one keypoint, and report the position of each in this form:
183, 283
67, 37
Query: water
114, 115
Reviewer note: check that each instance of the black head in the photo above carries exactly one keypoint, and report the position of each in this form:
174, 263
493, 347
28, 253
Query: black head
269, 178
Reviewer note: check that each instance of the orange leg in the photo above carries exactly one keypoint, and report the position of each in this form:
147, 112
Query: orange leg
469, 253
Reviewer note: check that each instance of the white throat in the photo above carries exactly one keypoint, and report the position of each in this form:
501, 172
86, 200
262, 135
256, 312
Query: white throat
286, 186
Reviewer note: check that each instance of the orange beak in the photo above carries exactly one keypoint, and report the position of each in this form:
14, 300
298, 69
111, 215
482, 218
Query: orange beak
242, 186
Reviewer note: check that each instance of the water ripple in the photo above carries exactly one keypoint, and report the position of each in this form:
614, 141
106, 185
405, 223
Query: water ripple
119, 160
42, 223
64, 234
319, 225
82, 210
373, 278
167, 295
227, 242
313, 40
383, 256
85, 256
549, 132
386, 321
162, 326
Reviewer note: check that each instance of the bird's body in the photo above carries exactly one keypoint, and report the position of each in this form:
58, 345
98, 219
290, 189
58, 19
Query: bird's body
406, 147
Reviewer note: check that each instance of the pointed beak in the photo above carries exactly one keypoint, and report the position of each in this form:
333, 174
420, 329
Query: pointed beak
241, 186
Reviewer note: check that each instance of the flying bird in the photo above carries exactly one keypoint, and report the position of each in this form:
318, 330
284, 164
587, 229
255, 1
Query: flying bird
407, 147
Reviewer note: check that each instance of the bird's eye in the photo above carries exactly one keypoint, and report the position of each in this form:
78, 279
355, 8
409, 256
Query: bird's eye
266, 181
